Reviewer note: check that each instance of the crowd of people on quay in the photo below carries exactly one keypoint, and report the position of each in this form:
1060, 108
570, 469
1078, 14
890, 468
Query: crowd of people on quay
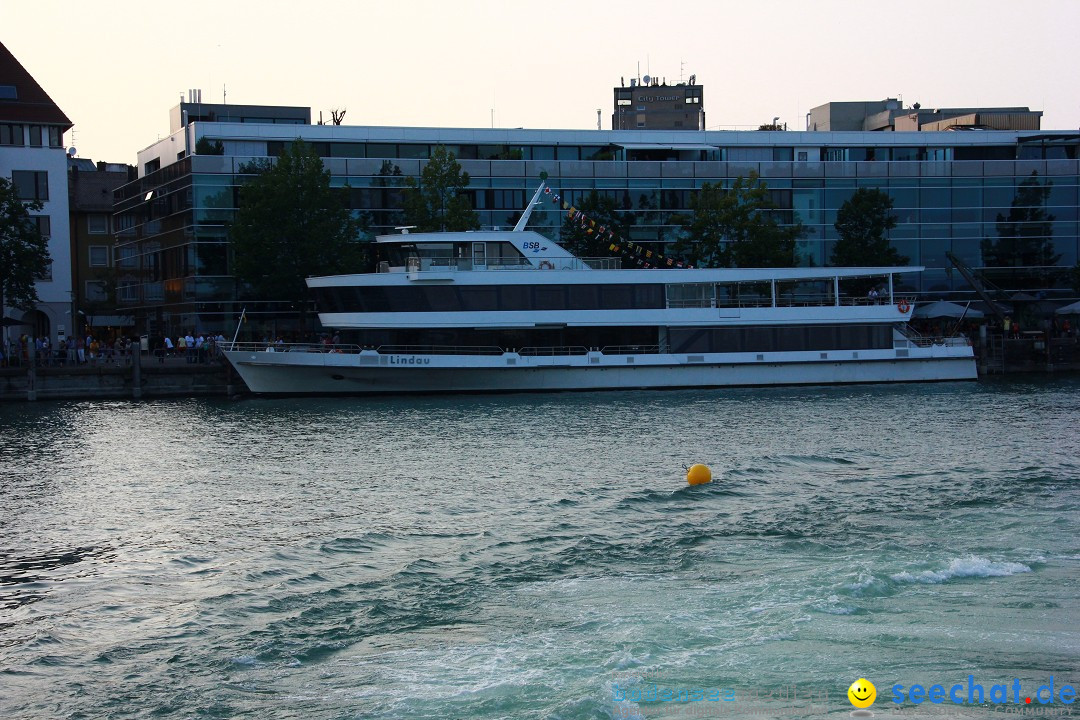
100, 351
89, 350
194, 348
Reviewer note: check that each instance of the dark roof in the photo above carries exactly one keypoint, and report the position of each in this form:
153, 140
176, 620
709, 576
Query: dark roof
31, 103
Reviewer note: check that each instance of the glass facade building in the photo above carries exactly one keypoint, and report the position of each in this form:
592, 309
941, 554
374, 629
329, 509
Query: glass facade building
951, 191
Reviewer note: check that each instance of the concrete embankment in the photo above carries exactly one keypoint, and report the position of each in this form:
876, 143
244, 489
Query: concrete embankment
147, 380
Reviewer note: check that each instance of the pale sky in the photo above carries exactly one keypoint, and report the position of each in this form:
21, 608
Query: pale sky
116, 67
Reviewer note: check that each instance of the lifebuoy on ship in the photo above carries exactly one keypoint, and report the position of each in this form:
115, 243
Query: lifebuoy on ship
903, 306
546, 265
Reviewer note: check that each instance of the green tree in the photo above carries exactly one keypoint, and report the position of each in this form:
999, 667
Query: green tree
1024, 240
577, 238
438, 203
291, 224
862, 226
737, 227
24, 253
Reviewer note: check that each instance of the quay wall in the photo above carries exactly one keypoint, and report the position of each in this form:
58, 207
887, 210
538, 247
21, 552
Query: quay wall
108, 382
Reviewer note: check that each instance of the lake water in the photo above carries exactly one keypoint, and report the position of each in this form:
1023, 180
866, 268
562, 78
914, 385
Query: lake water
538, 556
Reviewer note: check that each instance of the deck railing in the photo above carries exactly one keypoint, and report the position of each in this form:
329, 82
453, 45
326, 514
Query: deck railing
444, 264
555, 350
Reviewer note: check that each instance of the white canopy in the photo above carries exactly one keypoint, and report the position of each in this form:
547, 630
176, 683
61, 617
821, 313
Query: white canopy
942, 309
1073, 309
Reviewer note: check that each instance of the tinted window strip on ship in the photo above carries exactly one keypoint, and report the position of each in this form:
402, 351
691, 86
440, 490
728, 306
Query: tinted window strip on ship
781, 339
488, 298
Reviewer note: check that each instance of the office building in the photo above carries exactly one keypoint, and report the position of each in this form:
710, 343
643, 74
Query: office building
949, 190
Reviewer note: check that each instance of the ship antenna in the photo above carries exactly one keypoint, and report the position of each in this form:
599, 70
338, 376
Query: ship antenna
529, 208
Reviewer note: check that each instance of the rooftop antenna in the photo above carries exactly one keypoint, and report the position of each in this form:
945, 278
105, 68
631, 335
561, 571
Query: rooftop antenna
682, 64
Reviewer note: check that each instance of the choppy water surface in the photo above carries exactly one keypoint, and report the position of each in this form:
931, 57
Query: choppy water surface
534, 556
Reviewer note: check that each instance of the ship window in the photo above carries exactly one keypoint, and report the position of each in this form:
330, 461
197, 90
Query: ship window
615, 296
584, 297
648, 296
549, 297
694, 295
480, 297
791, 338
514, 297
441, 297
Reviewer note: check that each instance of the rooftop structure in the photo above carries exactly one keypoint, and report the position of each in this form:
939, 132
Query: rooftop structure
650, 103
891, 115
195, 110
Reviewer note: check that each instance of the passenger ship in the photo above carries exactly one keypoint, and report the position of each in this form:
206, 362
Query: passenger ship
510, 310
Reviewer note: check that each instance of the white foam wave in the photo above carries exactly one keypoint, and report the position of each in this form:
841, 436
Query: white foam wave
971, 566
833, 606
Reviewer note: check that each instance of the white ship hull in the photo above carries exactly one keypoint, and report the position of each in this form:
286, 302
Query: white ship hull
373, 373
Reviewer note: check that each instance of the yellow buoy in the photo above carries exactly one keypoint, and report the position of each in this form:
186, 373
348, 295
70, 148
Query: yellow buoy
698, 474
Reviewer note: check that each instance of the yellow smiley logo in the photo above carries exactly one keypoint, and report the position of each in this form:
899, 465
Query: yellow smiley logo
862, 693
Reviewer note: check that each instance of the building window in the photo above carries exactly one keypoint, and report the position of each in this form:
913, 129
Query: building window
127, 293
97, 224
44, 225
11, 134
35, 135
47, 275
9, 92
99, 256
95, 291
126, 257
55, 137
802, 156
31, 184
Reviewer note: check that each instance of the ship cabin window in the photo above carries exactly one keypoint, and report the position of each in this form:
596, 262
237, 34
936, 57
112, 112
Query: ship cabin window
793, 293
744, 294
399, 254
462, 255
691, 295
503, 253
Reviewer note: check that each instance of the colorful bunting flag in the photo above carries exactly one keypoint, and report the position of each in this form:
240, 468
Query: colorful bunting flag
590, 226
